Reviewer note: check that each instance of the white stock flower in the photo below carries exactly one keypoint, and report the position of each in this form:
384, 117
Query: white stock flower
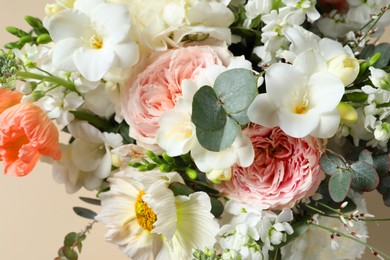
146, 220
380, 78
92, 38
301, 98
305, 6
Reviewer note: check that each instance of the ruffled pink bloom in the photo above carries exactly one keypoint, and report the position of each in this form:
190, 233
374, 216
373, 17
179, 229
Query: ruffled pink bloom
25, 133
9, 98
284, 171
158, 86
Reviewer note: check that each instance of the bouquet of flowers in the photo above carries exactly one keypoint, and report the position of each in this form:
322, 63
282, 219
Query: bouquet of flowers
207, 129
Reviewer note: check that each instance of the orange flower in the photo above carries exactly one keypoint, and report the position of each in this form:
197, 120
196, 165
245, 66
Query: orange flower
25, 133
8, 98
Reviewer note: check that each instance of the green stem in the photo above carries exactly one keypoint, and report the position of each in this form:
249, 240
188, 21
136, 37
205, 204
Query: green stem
52, 79
373, 249
330, 208
315, 209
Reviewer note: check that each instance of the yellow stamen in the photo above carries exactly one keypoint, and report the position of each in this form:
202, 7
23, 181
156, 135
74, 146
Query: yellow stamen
144, 214
300, 109
96, 42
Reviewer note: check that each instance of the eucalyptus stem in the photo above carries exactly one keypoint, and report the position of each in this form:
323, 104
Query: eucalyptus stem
373, 249
52, 79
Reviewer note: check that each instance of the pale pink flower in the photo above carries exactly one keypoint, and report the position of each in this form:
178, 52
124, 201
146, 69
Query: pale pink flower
156, 89
284, 171
26, 132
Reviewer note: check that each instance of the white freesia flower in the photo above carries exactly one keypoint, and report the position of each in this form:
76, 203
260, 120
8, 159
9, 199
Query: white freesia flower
146, 220
92, 38
305, 6
301, 99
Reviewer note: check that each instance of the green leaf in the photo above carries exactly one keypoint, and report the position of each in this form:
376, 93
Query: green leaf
218, 140
384, 185
85, 213
180, 189
364, 176
383, 49
357, 97
207, 111
339, 184
381, 163
236, 88
70, 253
386, 199
91, 201
216, 207
332, 163
70, 239
241, 117
366, 156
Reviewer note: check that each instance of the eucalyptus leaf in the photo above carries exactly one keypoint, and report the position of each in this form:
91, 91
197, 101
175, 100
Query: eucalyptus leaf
384, 185
364, 176
381, 163
241, 118
236, 88
180, 189
207, 111
366, 156
91, 201
332, 163
339, 184
218, 140
386, 199
383, 49
85, 213
70, 239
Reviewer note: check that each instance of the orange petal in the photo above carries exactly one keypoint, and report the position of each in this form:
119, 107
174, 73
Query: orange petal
25, 133
9, 98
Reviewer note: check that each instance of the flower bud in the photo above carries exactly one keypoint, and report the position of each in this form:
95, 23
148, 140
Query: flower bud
344, 67
348, 114
382, 132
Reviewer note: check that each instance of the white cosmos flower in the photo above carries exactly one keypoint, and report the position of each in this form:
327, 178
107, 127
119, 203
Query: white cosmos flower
301, 98
92, 38
147, 221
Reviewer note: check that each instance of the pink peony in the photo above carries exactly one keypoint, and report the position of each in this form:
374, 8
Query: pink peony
157, 87
284, 171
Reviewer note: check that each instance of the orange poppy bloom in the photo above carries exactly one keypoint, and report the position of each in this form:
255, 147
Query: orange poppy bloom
26, 132
8, 98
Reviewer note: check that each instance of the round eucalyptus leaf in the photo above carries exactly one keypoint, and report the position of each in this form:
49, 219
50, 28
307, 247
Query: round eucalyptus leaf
331, 163
236, 89
364, 176
339, 184
218, 140
207, 111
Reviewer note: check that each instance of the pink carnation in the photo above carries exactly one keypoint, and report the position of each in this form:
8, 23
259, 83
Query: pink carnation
157, 87
284, 171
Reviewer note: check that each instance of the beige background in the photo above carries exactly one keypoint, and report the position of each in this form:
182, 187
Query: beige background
36, 213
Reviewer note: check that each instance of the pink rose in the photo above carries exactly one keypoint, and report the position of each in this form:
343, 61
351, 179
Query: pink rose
157, 87
284, 171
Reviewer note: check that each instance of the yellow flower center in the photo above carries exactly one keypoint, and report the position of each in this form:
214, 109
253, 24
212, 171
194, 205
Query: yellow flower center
300, 109
144, 214
301, 104
96, 42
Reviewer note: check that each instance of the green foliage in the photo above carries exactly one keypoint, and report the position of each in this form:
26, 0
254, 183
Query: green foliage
219, 112
360, 175
85, 213
9, 66
92, 201
370, 53
37, 34
73, 241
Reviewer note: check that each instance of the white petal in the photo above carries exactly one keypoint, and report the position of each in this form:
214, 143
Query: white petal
244, 150
86, 156
328, 125
93, 64
263, 112
83, 130
207, 160
196, 226
310, 62
330, 48
301, 39
281, 80
112, 22
325, 91
91, 182
68, 24
87, 5
104, 168
62, 54
285, 216
127, 54
298, 125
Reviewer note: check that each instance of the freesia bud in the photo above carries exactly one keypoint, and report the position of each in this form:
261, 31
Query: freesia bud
348, 114
344, 67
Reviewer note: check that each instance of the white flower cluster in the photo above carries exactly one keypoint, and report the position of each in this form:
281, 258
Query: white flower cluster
240, 238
